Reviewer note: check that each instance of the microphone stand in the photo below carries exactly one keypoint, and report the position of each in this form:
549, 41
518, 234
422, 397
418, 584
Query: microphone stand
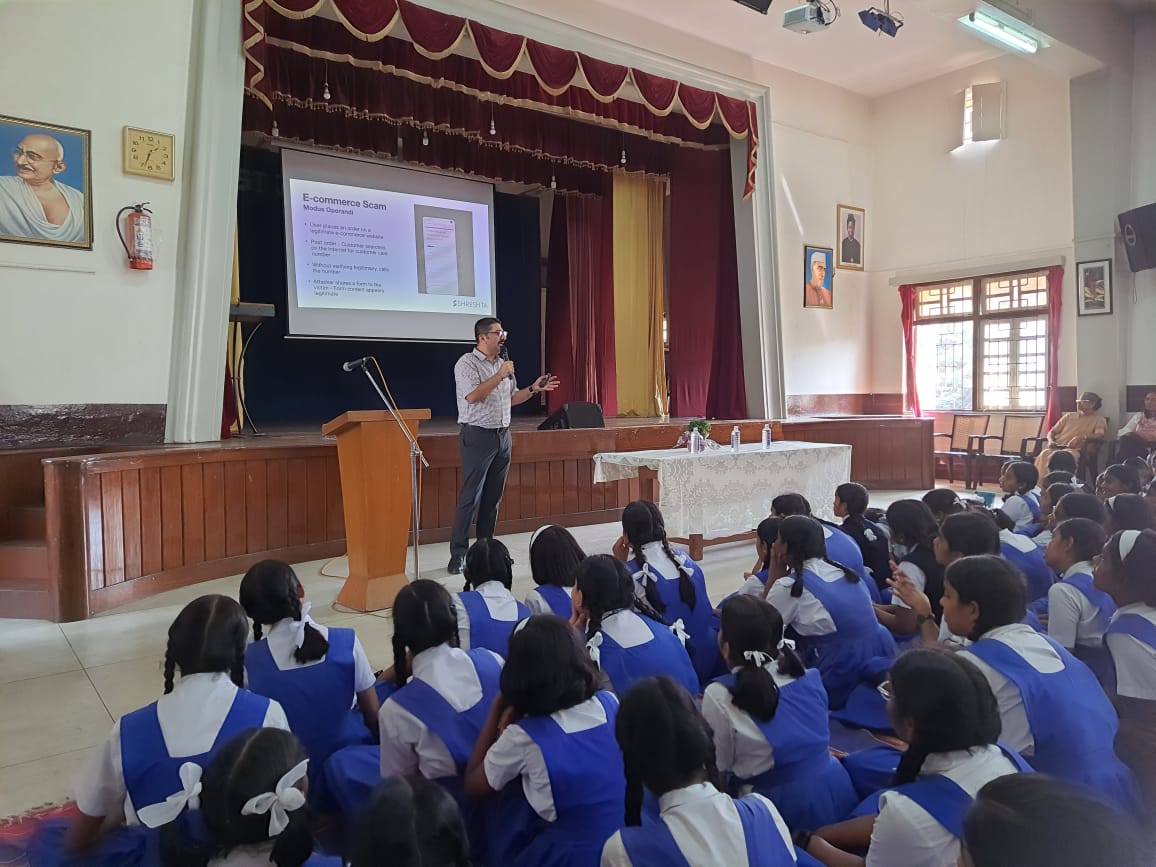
415, 454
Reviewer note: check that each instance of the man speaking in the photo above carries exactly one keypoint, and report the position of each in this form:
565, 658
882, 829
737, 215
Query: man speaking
486, 389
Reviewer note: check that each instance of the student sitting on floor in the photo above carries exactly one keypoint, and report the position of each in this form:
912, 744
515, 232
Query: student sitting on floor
487, 611
841, 548
769, 718
410, 822
1078, 613
1025, 555
1052, 493
1129, 512
851, 502
942, 706
554, 556
313, 672
1064, 462
1117, 479
942, 502
673, 583
625, 638
913, 534
1020, 502
765, 535
668, 750
1080, 505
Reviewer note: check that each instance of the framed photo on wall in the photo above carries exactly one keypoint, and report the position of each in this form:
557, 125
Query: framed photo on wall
1094, 287
45, 184
818, 277
850, 224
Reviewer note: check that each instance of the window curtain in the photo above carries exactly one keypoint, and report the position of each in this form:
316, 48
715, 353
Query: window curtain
907, 294
1055, 306
639, 205
706, 363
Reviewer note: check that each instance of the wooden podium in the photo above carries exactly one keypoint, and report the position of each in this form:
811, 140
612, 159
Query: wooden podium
373, 454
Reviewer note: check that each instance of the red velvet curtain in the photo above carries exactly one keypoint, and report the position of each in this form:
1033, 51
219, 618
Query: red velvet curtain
907, 294
705, 365
1055, 306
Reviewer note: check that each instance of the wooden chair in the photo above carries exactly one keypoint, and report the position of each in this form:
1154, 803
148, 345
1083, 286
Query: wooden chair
1022, 439
963, 427
1088, 466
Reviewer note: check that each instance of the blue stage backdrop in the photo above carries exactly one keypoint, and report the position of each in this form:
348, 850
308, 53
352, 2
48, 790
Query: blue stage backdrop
299, 382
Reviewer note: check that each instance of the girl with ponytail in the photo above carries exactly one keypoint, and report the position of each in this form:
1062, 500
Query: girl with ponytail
626, 639
825, 608
668, 750
673, 583
314, 672
765, 535
487, 611
942, 706
770, 723
149, 769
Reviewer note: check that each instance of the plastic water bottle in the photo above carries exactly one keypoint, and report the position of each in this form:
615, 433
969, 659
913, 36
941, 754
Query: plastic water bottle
766, 437
736, 438
695, 442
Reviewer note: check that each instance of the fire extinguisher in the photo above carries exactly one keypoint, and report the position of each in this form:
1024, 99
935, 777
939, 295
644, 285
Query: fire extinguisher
139, 247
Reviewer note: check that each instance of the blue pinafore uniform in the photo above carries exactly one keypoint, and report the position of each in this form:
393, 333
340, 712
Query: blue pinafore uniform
485, 630
663, 655
1096, 658
1031, 562
844, 550
1140, 628
809, 786
556, 597
588, 786
1072, 722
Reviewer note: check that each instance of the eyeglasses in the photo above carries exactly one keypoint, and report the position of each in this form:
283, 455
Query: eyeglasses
884, 690
31, 156
498, 333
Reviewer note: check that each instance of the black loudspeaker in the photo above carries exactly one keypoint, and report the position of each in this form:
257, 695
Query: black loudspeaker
757, 5
1138, 228
574, 415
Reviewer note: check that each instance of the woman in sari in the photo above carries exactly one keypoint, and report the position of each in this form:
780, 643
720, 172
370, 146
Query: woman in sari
1073, 430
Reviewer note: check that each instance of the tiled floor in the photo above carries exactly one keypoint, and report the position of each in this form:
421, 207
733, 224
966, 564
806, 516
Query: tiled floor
61, 686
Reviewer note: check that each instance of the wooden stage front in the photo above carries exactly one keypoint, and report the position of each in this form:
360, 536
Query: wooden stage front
120, 525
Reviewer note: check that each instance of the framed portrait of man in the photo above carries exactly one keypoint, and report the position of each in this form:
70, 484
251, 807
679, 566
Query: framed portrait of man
851, 244
1094, 285
818, 277
45, 184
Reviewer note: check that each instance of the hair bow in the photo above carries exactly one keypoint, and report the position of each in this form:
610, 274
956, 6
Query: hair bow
285, 798
679, 629
592, 645
156, 815
299, 635
786, 644
1127, 543
758, 657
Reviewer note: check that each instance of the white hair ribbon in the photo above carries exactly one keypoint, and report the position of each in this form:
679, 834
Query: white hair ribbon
679, 629
299, 634
536, 532
285, 798
758, 657
592, 645
1127, 543
155, 815
521, 625
786, 644
1111, 502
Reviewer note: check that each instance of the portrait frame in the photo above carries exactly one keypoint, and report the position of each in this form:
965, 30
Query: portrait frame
76, 174
1093, 299
828, 254
860, 215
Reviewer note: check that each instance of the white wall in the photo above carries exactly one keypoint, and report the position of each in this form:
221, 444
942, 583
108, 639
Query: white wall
983, 207
1140, 366
80, 326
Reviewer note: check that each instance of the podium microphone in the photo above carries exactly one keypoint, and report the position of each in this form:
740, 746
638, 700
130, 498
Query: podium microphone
353, 365
504, 354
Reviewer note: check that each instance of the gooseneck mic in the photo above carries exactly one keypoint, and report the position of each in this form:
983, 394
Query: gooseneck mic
353, 365
504, 354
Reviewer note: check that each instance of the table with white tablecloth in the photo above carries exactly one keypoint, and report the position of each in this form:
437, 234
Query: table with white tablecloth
721, 494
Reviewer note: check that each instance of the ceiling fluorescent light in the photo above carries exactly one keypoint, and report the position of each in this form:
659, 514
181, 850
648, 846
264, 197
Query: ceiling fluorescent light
1004, 34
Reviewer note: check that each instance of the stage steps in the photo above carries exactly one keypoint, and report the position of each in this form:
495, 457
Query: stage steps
24, 586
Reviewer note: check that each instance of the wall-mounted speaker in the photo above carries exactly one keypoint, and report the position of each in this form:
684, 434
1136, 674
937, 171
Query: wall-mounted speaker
757, 5
1138, 228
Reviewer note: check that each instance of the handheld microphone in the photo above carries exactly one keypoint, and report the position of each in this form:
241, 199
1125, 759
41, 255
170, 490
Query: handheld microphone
353, 365
504, 354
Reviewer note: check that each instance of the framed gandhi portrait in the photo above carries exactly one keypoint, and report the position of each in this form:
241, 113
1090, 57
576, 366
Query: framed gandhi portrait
1094, 288
818, 277
850, 246
45, 184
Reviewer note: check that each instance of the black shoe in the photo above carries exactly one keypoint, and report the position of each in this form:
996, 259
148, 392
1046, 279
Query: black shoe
455, 567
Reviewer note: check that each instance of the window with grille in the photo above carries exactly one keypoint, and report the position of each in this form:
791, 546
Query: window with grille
982, 343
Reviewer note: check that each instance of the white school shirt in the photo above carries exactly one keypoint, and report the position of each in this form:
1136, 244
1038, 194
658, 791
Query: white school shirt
805, 612
906, 834
514, 754
918, 578
500, 602
740, 746
1135, 660
1016, 508
407, 744
282, 645
658, 561
1042, 539
706, 826
1072, 619
538, 605
1036, 651
628, 628
190, 717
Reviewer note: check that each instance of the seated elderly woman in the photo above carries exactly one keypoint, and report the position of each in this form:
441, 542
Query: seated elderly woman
1138, 436
1074, 429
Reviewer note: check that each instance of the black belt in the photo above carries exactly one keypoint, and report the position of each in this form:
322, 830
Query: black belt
479, 427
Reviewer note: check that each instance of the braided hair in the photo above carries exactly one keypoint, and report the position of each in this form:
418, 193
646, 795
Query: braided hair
767, 532
423, 617
606, 586
804, 540
750, 625
270, 593
642, 523
666, 744
208, 636
948, 702
488, 560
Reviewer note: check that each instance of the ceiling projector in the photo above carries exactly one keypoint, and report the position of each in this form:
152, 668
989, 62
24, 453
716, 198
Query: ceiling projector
808, 18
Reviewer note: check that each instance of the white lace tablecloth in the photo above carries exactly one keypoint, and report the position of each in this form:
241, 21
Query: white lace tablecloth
722, 492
